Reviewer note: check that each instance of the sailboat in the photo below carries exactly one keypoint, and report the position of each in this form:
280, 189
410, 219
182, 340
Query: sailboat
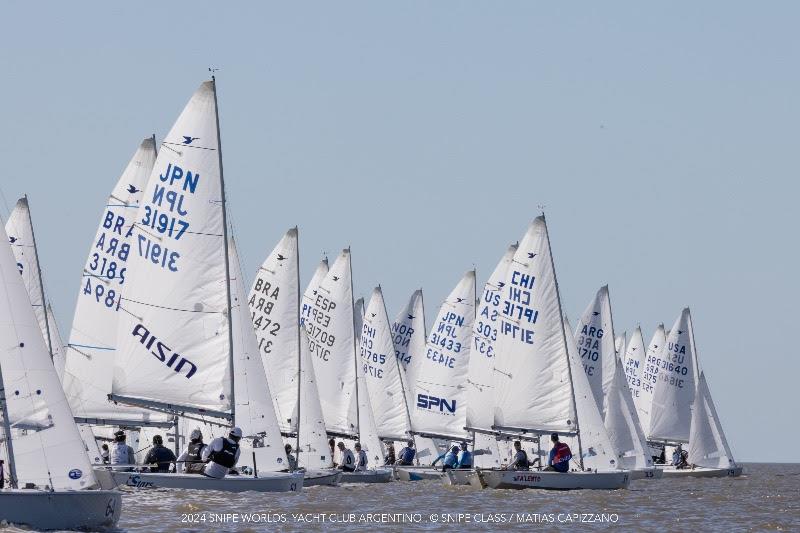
439, 378
329, 316
599, 349
51, 479
186, 346
534, 379
274, 304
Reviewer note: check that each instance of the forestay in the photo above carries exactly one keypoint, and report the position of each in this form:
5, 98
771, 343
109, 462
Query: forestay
707, 443
670, 416
440, 375
90, 353
314, 451
596, 345
328, 318
532, 381
174, 332
52, 453
382, 371
273, 302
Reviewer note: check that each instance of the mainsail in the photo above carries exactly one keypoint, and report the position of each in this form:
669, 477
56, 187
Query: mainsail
93, 339
328, 318
532, 382
596, 345
622, 424
382, 371
440, 376
707, 443
51, 453
670, 415
649, 373
174, 338
274, 300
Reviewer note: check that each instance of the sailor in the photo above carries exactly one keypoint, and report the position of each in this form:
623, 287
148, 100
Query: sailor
291, 458
121, 453
679, 457
450, 458
520, 461
222, 454
407, 454
390, 457
159, 455
560, 456
464, 457
347, 460
361, 458
332, 444
191, 460
104, 454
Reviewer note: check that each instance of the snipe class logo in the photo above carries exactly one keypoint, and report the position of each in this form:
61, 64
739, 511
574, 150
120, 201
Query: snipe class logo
188, 140
75, 473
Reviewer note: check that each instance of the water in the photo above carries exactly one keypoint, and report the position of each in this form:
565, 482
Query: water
766, 498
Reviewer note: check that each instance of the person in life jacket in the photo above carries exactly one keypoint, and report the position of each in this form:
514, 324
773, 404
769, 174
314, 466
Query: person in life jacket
191, 460
361, 458
121, 453
291, 458
560, 456
159, 455
520, 461
407, 455
347, 460
450, 458
105, 454
390, 456
332, 445
222, 454
464, 457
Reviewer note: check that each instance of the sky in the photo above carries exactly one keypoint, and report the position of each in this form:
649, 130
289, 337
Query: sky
659, 138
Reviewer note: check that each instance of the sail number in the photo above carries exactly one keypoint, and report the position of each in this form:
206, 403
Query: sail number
108, 297
164, 223
158, 254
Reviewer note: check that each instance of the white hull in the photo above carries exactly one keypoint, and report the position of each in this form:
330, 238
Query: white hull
265, 482
647, 473
416, 473
533, 479
87, 509
457, 477
314, 478
378, 475
700, 471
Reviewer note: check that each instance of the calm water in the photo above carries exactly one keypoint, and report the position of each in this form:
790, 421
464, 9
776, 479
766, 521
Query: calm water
766, 498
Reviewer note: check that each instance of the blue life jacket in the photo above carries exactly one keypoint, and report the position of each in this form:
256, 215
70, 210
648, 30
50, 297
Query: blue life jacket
466, 459
451, 459
407, 455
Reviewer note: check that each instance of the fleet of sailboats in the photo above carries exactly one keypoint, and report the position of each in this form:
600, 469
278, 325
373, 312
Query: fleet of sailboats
166, 336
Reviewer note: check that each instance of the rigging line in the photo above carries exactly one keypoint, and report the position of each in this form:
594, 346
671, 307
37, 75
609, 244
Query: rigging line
163, 143
145, 228
168, 308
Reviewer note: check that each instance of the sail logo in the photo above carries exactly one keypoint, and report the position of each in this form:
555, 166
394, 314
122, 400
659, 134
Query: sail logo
188, 140
161, 351
425, 401
75, 473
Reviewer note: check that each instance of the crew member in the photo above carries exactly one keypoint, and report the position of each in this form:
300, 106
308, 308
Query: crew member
560, 456
291, 458
520, 461
449, 458
121, 453
347, 460
390, 457
222, 454
361, 458
464, 457
159, 455
105, 454
332, 444
407, 454
191, 460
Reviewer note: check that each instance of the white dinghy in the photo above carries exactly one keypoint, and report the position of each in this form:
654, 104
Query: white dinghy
186, 346
535, 383
51, 479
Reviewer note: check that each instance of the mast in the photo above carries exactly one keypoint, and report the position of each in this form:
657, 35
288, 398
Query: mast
613, 333
355, 348
299, 345
566, 346
41, 283
12, 467
227, 258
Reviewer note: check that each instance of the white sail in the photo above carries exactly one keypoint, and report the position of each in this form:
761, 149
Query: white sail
173, 335
408, 336
440, 376
314, 451
358, 318
52, 453
532, 375
328, 318
634, 364
480, 376
598, 451
649, 373
273, 303
707, 443
367, 429
622, 424
58, 350
93, 339
670, 415
382, 371
596, 347
620, 341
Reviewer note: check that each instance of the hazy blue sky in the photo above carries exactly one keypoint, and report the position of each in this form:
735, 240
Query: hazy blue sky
661, 138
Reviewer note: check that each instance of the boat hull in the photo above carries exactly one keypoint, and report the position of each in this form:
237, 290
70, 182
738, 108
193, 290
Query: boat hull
672, 473
378, 475
647, 473
457, 477
86, 509
315, 478
265, 482
532, 479
416, 473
